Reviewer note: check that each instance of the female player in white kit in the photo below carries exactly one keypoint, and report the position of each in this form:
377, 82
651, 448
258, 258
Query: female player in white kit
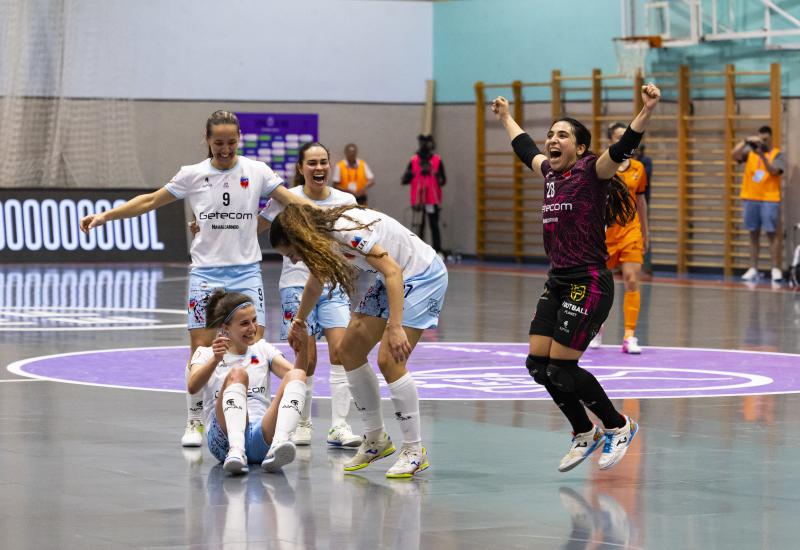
223, 192
405, 299
331, 314
233, 374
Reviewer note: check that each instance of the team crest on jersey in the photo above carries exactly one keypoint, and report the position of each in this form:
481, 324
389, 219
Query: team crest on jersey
254, 359
244, 182
577, 293
358, 243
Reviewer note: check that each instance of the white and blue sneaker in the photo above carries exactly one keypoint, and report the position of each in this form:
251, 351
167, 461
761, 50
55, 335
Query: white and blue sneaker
370, 451
236, 462
278, 456
582, 446
617, 442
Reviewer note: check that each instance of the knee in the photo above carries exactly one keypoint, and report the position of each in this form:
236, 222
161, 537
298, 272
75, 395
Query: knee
295, 374
562, 373
537, 368
238, 375
385, 361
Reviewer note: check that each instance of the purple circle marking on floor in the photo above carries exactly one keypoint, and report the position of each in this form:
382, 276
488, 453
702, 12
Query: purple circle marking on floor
477, 370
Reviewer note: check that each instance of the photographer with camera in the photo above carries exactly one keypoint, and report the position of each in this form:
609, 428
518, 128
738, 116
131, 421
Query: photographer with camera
425, 173
761, 196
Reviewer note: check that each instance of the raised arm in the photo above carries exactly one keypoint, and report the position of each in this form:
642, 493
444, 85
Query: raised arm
282, 195
612, 157
137, 206
521, 142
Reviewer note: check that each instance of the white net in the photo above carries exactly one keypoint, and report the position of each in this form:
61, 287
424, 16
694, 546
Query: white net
55, 133
631, 56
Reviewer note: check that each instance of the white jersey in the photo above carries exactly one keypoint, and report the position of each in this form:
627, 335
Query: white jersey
225, 204
409, 251
257, 361
297, 274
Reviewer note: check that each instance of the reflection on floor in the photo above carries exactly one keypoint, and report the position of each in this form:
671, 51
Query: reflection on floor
97, 467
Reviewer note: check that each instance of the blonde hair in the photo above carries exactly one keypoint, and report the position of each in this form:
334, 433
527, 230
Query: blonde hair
308, 229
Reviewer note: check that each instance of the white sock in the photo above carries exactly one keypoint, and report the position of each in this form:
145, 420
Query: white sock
294, 395
367, 397
406, 406
234, 409
306, 414
340, 395
194, 402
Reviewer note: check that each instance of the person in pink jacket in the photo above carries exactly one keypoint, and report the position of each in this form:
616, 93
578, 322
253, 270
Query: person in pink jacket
425, 173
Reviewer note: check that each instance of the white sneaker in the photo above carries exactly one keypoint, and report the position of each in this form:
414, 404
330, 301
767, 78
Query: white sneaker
370, 451
750, 275
777, 275
409, 463
278, 456
236, 462
617, 442
302, 434
193, 434
631, 345
597, 341
582, 446
342, 436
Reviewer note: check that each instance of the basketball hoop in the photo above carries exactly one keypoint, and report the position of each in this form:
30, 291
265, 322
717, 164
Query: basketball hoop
631, 52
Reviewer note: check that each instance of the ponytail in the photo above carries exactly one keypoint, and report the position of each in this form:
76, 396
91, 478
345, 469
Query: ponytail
620, 204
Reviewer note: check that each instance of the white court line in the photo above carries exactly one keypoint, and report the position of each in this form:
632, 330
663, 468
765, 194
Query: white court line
17, 368
23, 380
97, 328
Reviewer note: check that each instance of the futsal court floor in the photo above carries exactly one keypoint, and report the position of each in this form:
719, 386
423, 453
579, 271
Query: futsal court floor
92, 410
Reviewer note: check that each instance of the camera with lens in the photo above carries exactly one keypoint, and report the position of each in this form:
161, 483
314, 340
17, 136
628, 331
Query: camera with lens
756, 145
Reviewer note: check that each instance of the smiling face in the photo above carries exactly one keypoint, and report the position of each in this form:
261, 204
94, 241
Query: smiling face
223, 142
242, 327
561, 146
315, 167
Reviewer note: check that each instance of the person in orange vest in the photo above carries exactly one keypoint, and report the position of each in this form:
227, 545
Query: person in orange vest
627, 244
352, 175
425, 173
761, 196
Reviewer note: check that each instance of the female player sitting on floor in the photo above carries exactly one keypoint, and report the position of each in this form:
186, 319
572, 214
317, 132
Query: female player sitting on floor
331, 314
245, 427
581, 197
405, 299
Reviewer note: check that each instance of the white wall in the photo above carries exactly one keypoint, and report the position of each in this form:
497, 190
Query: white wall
264, 50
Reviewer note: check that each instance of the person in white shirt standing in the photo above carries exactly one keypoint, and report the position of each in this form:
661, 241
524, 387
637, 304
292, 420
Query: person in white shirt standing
244, 425
405, 299
331, 314
223, 192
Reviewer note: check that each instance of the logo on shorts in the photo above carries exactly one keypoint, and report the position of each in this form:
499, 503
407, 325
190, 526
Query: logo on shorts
244, 182
192, 304
577, 293
288, 315
293, 404
400, 416
434, 307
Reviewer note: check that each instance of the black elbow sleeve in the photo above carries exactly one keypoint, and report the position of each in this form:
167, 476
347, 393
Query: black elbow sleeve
525, 149
624, 148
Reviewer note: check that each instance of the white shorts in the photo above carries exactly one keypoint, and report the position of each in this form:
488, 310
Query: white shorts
333, 312
424, 297
235, 278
